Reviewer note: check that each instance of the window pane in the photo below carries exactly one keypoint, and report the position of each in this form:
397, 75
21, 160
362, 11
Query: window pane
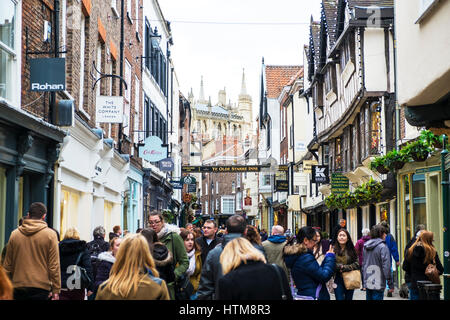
419, 200
7, 20
5, 75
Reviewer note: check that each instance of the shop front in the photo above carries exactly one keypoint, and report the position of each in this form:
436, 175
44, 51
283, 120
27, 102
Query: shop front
29, 148
420, 201
132, 217
89, 189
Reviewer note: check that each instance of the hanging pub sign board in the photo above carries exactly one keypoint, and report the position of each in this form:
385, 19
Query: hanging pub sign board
247, 201
320, 174
339, 183
48, 74
109, 109
152, 151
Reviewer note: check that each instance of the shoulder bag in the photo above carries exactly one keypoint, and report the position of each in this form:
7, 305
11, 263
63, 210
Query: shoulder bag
182, 286
284, 296
85, 280
352, 279
433, 273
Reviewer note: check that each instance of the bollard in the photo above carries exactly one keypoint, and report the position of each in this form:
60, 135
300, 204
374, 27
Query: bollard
433, 291
421, 289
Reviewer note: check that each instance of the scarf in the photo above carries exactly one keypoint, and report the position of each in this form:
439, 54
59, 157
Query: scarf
191, 255
164, 230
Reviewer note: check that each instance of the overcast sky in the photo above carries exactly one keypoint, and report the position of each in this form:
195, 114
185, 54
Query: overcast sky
217, 39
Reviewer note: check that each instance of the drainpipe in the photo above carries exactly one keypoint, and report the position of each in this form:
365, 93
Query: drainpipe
122, 22
446, 213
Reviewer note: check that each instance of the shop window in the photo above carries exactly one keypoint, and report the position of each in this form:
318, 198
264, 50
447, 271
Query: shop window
8, 50
69, 210
375, 115
419, 200
107, 215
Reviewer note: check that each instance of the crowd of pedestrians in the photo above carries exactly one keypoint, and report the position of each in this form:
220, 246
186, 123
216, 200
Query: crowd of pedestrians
233, 262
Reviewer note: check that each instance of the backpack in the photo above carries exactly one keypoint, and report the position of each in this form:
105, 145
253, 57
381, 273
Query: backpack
94, 250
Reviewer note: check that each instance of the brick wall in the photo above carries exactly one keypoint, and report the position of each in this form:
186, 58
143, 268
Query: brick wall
102, 27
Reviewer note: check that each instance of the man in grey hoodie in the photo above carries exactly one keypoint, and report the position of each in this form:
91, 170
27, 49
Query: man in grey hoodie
376, 264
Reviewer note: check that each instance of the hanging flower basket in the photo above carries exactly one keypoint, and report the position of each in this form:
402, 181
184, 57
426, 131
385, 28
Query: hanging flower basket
382, 169
398, 164
419, 157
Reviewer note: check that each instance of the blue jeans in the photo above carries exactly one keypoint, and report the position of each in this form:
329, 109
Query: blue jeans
374, 294
340, 292
413, 292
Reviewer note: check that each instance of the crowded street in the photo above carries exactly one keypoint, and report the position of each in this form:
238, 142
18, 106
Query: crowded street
232, 157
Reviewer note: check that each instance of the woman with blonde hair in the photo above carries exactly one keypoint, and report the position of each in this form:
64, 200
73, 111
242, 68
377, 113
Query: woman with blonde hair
133, 275
73, 254
248, 277
418, 257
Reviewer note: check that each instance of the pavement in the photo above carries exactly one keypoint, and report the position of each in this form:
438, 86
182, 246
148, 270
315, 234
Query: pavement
361, 295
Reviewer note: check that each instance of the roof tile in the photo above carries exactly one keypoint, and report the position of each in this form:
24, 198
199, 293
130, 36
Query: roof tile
279, 76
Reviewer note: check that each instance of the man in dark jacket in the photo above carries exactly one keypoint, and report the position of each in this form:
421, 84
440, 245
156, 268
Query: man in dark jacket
98, 245
212, 269
209, 239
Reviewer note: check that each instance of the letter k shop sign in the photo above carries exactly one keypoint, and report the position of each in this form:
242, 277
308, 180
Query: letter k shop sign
320, 174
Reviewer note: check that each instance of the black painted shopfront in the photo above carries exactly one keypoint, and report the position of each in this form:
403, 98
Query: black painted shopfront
29, 148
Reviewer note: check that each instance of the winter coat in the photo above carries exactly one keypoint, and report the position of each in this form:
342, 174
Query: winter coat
105, 263
376, 265
253, 280
206, 248
307, 273
212, 270
164, 262
149, 288
69, 250
359, 247
195, 277
32, 257
415, 266
273, 247
175, 244
97, 246
408, 245
392, 245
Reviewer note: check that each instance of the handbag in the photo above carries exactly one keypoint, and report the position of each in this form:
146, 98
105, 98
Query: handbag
85, 280
284, 296
352, 279
433, 273
183, 288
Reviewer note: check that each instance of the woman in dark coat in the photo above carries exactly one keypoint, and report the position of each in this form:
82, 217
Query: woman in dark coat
70, 248
161, 254
105, 262
307, 274
418, 257
248, 277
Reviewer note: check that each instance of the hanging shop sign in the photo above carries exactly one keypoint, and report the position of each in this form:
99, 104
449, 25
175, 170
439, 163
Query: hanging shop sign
166, 164
339, 183
320, 174
307, 165
109, 109
187, 197
153, 151
248, 201
300, 146
176, 184
189, 180
48, 74
192, 188
282, 185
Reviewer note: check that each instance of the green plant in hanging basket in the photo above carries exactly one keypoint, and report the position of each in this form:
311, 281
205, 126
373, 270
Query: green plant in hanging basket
395, 160
432, 140
378, 164
418, 150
